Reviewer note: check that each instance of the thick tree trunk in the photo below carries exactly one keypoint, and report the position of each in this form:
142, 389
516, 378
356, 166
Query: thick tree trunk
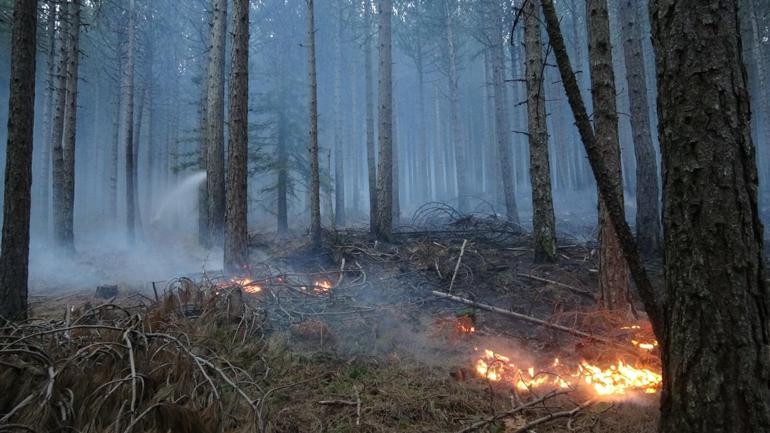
215, 160
339, 169
14, 255
613, 272
65, 235
463, 193
384, 221
648, 233
371, 162
236, 232
315, 180
543, 224
128, 122
716, 370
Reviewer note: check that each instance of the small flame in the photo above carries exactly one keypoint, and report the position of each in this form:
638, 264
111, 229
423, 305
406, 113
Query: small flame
247, 284
322, 287
645, 345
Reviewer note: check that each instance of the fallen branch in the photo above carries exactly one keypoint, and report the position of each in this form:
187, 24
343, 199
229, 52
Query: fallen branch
511, 412
535, 320
457, 265
553, 416
337, 403
572, 289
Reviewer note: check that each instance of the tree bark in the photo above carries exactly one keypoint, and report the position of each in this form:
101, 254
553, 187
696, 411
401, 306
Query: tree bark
57, 126
315, 180
613, 272
14, 255
236, 232
215, 160
716, 338
283, 177
502, 125
67, 239
650, 297
543, 220
45, 167
128, 122
371, 162
384, 221
463, 193
339, 169
648, 233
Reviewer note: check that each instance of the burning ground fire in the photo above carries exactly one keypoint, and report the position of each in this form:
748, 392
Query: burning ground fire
617, 380
319, 287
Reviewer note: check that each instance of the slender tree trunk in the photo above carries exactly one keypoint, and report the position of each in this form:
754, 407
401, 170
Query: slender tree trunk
128, 122
115, 146
463, 193
215, 160
648, 233
371, 162
236, 232
45, 166
492, 165
315, 180
396, 165
613, 272
204, 238
339, 169
14, 255
384, 222
283, 177
543, 224
502, 126
716, 369
422, 169
57, 126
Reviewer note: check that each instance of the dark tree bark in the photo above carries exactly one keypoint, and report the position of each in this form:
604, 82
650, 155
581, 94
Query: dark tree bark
57, 126
66, 232
716, 337
613, 272
543, 220
128, 122
371, 163
648, 233
215, 159
384, 221
45, 167
203, 192
283, 178
315, 180
14, 255
236, 233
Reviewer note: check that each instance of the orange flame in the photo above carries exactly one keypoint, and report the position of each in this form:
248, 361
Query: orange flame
618, 379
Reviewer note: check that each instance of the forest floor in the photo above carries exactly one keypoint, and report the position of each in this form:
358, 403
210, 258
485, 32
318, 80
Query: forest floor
348, 338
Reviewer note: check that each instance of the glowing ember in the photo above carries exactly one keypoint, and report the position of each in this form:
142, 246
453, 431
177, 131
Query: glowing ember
246, 284
464, 325
616, 380
322, 287
645, 345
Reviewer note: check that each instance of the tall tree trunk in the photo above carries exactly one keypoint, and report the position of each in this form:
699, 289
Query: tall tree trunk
215, 160
236, 233
115, 146
502, 125
396, 164
543, 224
204, 238
422, 169
716, 369
492, 164
14, 253
128, 122
613, 273
339, 173
647, 208
57, 125
283, 177
66, 233
45, 166
384, 222
463, 193
604, 177
371, 162
315, 180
